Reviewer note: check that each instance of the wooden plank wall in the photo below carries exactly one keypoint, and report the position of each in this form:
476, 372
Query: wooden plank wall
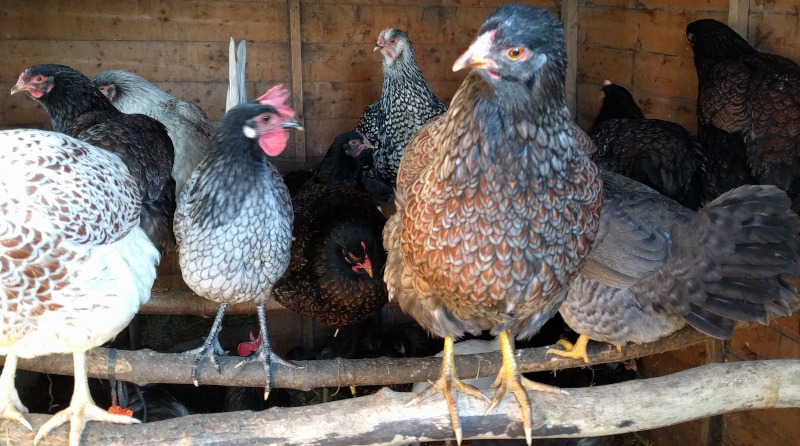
183, 48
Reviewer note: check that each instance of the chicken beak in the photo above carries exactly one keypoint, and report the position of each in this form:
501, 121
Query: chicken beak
477, 55
20, 86
377, 47
368, 269
291, 124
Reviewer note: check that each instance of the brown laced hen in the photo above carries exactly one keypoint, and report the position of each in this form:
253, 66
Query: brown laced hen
496, 206
335, 274
74, 263
748, 110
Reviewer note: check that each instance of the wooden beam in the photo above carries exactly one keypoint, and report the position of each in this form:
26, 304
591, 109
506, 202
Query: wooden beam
145, 366
739, 16
385, 418
296, 45
569, 17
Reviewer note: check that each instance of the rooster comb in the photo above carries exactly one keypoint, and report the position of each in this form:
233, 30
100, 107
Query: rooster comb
276, 97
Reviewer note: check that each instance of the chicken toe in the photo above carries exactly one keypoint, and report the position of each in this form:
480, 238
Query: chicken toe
210, 348
81, 409
11, 408
445, 384
576, 351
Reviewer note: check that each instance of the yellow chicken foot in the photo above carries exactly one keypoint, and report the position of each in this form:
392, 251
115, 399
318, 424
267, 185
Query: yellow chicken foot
11, 408
509, 378
444, 384
81, 409
576, 351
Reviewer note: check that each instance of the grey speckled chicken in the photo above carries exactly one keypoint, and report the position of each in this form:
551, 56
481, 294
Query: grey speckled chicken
656, 265
657, 153
406, 103
234, 218
748, 110
74, 263
187, 124
496, 205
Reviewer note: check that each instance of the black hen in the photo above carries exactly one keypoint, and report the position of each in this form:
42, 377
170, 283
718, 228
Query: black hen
748, 110
77, 108
335, 274
660, 154
406, 103
344, 163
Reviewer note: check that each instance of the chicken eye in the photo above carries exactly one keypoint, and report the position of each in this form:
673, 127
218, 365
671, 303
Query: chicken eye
265, 118
392, 41
353, 142
38, 78
515, 53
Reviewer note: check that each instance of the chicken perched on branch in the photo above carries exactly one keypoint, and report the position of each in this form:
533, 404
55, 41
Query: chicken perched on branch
656, 266
748, 110
657, 153
75, 263
496, 207
406, 103
234, 218
336, 270
187, 124
77, 108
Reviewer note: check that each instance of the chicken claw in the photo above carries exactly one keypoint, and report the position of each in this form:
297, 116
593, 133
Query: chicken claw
444, 384
11, 408
509, 378
575, 351
210, 348
81, 409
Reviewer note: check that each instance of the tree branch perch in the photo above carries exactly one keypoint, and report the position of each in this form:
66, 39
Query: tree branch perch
146, 366
382, 418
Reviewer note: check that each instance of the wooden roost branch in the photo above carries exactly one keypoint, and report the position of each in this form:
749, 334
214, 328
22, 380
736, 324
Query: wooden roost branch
383, 418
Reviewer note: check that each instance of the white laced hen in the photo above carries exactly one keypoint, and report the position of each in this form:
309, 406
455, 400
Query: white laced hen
75, 265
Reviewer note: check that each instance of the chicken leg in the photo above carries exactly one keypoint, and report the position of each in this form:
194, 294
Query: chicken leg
11, 408
210, 348
81, 409
444, 384
509, 378
576, 350
264, 352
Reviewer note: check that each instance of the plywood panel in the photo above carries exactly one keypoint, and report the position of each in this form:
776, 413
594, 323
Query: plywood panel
776, 33
156, 20
156, 61
665, 75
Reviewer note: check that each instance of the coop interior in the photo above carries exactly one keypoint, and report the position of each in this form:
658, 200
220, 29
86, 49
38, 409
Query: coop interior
322, 51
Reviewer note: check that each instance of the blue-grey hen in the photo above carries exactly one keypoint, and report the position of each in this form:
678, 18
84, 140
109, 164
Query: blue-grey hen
406, 103
234, 218
496, 206
656, 266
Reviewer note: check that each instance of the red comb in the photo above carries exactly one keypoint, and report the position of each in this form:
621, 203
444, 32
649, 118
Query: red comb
276, 97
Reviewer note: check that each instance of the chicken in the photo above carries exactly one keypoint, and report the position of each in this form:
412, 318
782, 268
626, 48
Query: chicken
748, 110
496, 207
660, 154
77, 108
336, 270
187, 124
75, 263
406, 103
344, 162
656, 266
234, 218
